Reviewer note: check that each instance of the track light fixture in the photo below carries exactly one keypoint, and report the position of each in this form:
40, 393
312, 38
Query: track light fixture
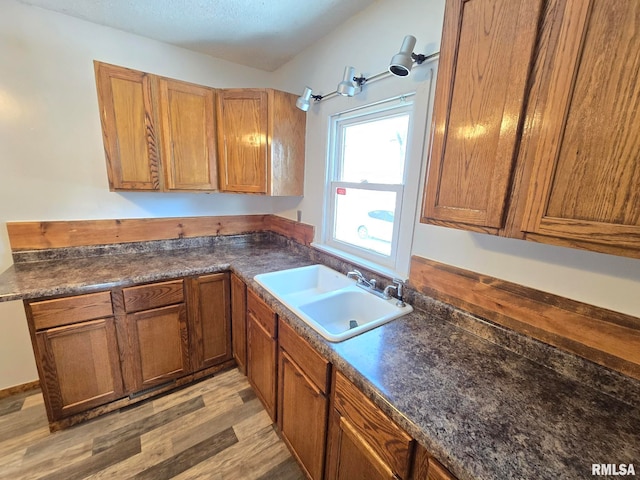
346, 87
402, 61
351, 85
303, 100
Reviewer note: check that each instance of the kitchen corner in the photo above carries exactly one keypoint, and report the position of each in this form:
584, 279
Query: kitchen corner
484, 410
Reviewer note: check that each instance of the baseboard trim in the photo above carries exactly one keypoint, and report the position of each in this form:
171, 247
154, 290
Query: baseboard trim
24, 387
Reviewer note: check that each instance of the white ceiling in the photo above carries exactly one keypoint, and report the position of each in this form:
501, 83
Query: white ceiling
264, 34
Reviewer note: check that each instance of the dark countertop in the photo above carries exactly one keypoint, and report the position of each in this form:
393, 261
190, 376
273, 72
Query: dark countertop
484, 411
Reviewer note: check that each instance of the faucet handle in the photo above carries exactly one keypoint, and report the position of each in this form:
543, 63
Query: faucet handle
355, 273
399, 291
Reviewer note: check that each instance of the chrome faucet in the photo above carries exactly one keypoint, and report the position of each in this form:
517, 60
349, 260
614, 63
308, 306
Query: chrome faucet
370, 286
360, 279
398, 286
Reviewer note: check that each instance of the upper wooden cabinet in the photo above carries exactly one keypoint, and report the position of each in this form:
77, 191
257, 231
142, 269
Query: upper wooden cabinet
585, 146
162, 134
479, 103
261, 138
540, 140
159, 133
129, 127
187, 114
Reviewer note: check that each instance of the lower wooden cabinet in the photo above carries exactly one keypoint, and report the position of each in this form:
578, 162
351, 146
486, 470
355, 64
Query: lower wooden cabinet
425, 467
157, 328
364, 443
209, 320
79, 366
239, 321
303, 386
438, 472
159, 345
262, 351
94, 349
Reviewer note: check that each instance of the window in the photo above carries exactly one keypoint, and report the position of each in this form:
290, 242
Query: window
366, 178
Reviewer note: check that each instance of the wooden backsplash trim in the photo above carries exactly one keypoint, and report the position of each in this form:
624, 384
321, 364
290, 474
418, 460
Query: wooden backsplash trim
603, 336
76, 233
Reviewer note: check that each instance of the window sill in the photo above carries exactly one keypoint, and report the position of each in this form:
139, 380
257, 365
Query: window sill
364, 263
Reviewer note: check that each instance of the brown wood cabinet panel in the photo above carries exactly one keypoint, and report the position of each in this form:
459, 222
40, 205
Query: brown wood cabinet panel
262, 313
479, 104
79, 366
380, 434
242, 136
261, 139
302, 416
316, 368
351, 456
129, 127
426, 467
438, 472
67, 310
145, 297
585, 183
210, 322
261, 362
160, 345
286, 144
189, 136
239, 321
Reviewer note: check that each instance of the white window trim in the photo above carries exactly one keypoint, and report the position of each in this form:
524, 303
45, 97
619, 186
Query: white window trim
407, 204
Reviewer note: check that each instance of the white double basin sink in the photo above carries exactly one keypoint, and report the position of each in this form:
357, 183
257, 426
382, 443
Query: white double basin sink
329, 302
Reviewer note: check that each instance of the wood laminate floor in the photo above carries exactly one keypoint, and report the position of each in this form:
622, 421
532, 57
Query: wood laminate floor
214, 429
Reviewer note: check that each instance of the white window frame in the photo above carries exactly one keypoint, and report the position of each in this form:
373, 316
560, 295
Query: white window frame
396, 263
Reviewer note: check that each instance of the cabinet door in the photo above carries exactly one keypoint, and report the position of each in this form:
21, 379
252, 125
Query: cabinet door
160, 345
239, 322
210, 327
129, 127
261, 364
189, 136
364, 443
585, 183
352, 457
79, 365
303, 404
262, 351
303, 416
286, 145
479, 104
242, 136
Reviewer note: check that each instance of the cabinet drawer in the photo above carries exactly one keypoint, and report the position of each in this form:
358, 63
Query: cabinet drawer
146, 297
389, 441
262, 313
68, 310
309, 361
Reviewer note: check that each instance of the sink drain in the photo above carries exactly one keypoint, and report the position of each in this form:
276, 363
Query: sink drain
352, 324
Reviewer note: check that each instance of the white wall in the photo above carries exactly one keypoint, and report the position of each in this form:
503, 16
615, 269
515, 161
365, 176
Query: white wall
52, 163
367, 42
